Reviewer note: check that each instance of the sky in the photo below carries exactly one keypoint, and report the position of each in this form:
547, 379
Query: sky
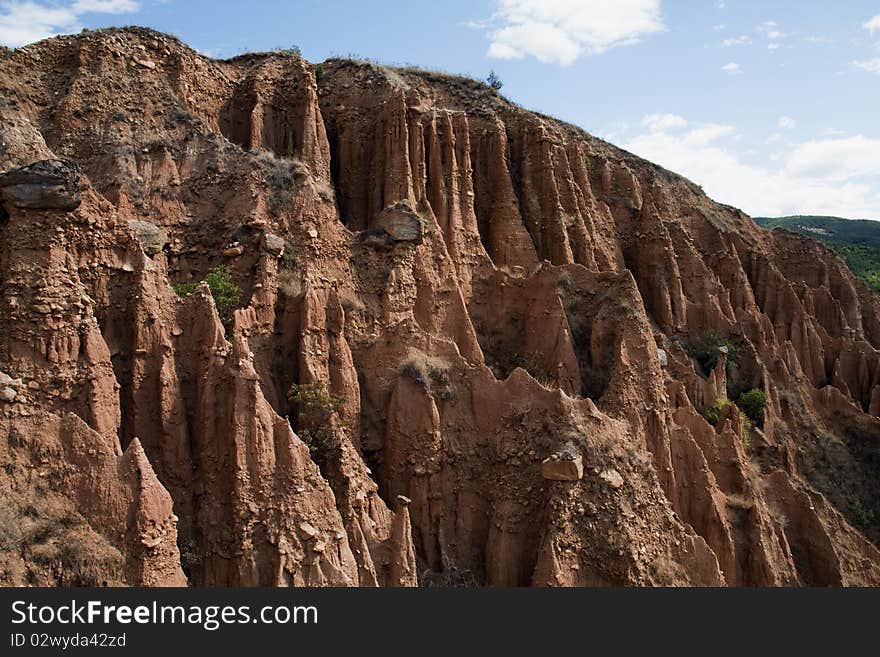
770, 105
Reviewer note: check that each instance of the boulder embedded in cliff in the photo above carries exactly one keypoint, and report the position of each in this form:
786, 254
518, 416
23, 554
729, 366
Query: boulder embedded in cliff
273, 244
43, 185
401, 223
563, 466
663, 357
151, 237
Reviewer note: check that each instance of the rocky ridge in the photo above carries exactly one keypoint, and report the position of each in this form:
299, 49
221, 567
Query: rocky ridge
462, 352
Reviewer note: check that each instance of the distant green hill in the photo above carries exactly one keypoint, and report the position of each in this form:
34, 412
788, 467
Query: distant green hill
856, 241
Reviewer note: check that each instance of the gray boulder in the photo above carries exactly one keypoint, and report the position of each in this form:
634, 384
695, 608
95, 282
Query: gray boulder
273, 244
44, 185
151, 237
401, 223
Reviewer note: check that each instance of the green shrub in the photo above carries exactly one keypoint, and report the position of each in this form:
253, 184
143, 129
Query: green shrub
707, 349
861, 516
753, 403
184, 289
319, 73
226, 293
315, 407
715, 412
494, 81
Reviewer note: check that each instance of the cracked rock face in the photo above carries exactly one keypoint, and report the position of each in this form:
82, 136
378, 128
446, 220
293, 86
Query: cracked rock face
440, 340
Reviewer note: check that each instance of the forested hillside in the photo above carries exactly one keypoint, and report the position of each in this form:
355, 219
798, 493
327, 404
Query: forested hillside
856, 241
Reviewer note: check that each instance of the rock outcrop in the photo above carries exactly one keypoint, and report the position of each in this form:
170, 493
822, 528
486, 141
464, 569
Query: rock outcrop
45, 185
382, 327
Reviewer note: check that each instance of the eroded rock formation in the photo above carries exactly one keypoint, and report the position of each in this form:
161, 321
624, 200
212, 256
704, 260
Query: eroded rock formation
462, 352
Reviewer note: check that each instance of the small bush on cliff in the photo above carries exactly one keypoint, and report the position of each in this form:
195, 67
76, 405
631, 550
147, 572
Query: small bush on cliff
753, 403
226, 293
315, 407
432, 374
861, 516
494, 81
184, 289
707, 349
716, 411
281, 176
319, 73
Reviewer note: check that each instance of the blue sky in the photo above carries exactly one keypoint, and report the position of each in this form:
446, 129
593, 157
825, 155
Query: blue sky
771, 105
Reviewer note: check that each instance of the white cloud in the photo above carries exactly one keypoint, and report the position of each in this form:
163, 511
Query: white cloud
770, 30
839, 176
772, 46
564, 30
737, 41
707, 133
786, 122
873, 25
838, 159
870, 65
26, 21
105, 6
732, 68
663, 122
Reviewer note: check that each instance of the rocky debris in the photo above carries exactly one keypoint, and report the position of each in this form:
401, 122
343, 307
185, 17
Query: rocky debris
401, 223
6, 380
151, 237
43, 185
9, 387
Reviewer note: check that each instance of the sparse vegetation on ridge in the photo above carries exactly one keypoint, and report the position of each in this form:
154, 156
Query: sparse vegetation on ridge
494, 81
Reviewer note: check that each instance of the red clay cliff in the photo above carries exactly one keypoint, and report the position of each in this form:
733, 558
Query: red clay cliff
466, 348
